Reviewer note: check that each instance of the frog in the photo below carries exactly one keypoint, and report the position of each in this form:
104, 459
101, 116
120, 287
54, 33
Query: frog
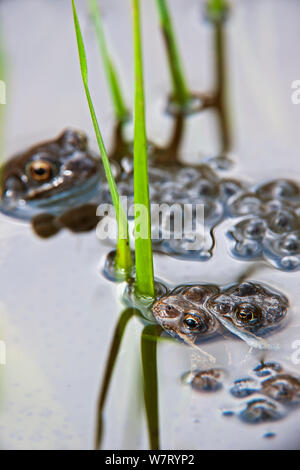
250, 307
183, 313
51, 177
246, 309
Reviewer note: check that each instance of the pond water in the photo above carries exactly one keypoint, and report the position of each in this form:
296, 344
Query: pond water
58, 312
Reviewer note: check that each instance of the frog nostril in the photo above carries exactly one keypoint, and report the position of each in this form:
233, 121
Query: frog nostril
12, 187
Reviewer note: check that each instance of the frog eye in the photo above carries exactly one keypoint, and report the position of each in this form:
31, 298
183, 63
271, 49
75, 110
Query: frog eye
193, 322
40, 170
247, 314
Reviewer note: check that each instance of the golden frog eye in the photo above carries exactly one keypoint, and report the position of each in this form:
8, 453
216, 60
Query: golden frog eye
193, 322
247, 313
40, 170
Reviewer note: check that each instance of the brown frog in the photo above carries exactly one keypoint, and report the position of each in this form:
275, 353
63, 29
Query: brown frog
194, 312
51, 177
250, 306
183, 312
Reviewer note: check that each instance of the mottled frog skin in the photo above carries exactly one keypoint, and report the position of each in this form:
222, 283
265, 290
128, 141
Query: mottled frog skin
183, 313
250, 306
193, 312
50, 177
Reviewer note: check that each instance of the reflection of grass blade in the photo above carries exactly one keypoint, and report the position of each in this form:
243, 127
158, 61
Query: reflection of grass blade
109, 368
149, 363
180, 90
143, 244
123, 250
121, 111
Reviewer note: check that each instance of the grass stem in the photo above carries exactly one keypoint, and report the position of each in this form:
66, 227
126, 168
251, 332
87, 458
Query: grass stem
180, 93
143, 242
121, 111
123, 258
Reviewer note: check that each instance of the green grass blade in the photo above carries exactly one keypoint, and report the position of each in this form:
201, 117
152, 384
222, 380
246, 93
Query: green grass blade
121, 111
143, 245
120, 328
181, 93
123, 260
149, 364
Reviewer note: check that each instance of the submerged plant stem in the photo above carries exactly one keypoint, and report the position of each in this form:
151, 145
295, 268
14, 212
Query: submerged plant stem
123, 259
221, 85
120, 328
121, 111
181, 93
149, 364
216, 9
143, 242
216, 13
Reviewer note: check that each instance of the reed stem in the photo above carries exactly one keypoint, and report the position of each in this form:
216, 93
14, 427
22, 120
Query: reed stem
143, 242
121, 111
123, 258
180, 92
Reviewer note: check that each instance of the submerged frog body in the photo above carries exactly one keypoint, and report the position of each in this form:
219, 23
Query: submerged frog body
51, 177
193, 312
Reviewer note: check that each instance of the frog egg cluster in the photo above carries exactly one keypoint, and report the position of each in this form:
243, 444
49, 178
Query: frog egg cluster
272, 390
269, 224
210, 380
182, 188
267, 217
